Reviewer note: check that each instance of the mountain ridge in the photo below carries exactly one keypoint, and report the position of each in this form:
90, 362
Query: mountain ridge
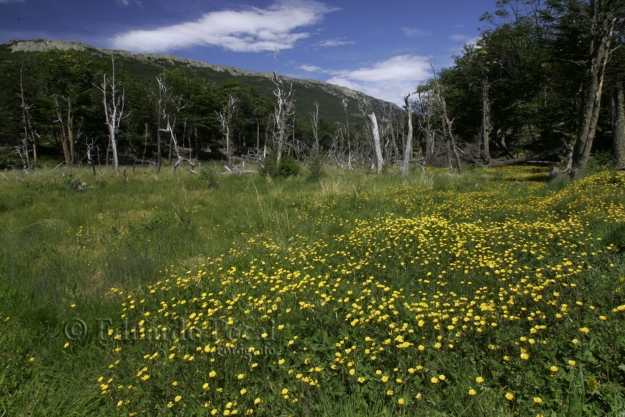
47, 45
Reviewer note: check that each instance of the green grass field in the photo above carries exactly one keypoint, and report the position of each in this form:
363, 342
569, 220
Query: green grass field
494, 293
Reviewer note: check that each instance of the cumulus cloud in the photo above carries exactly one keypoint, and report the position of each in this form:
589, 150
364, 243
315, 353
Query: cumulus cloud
335, 42
311, 68
465, 39
388, 80
247, 30
414, 32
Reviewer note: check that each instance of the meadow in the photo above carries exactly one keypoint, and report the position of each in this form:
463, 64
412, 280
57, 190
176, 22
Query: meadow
494, 293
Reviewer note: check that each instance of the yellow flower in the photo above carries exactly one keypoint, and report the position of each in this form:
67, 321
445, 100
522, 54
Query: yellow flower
572, 362
257, 401
400, 401
390, 392
66, 345
361, 380
509, 396
554, 369
241, 376
243, 391
538, 400
441, 377
584, 330
212, 374
205, 386
434, 380
479, 379
285, 391
472, 391
525, 356
385, 378
177, 398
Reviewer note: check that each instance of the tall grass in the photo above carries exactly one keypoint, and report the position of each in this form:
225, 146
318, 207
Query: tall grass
163, 238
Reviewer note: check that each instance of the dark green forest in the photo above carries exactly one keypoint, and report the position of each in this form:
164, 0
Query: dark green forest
542, 84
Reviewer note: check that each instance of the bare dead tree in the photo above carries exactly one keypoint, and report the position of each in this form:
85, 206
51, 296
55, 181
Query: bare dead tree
618, 125
603, 17
424, 119
447, 128
344, 103
315, 126
375, 131
285, 108
372, 126
90, 143
30, 134
159, 115
113, 108
225, 120
408, 151
170, 117
486, 122
68, 136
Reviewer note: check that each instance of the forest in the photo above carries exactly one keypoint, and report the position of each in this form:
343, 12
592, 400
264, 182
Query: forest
542, 83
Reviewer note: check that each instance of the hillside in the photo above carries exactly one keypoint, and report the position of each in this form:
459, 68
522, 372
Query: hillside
147, 66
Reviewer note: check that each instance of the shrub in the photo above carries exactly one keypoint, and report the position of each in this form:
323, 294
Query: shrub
316, 168
288, 167
210, 178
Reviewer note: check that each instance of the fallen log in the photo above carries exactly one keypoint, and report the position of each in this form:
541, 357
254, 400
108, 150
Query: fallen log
536, 158
236, 170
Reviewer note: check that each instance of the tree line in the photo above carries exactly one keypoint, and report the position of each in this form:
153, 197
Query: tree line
542, 84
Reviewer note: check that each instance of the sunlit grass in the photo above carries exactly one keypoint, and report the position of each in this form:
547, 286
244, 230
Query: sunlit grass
491, 293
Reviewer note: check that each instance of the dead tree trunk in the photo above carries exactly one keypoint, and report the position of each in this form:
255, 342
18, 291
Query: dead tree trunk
424, 120
408, 151
618, 125
64, 131
159, 117
603, 31
29, 134
315, 126
447, 128
283, 109
486, 123
344, 103
225, 120
113, 109
375, 131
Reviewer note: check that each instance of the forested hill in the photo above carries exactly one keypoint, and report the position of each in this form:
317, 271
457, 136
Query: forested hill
145, 68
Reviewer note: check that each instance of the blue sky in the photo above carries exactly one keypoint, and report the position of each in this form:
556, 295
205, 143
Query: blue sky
383, 48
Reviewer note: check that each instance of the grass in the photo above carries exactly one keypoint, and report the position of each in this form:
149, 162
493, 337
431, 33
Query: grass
492, 293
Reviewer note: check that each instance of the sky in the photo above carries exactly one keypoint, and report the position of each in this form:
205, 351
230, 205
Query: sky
383, 48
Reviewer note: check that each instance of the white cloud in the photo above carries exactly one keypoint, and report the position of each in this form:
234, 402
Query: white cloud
465, 39
335, 42
311, 68
414, 32
247, 30
388, 80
